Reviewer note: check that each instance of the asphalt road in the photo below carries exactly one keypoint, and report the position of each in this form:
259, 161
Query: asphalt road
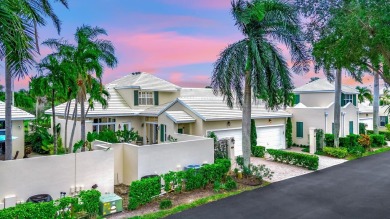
355, 189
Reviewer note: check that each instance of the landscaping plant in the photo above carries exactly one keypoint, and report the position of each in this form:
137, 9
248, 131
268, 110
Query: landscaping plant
329, 140
299, 159
289, 140
253, 135
142, 191
260, 171
377, 140
336, 152
165, 204
258, 151
362, 128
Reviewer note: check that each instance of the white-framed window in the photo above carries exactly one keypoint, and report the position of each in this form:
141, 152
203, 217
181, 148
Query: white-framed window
100, 124
348, 98
145, 98
126, 126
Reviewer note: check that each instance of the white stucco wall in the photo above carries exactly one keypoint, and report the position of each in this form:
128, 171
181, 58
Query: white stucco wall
317, 99
54, 174
315, 117
139, 161
18, 143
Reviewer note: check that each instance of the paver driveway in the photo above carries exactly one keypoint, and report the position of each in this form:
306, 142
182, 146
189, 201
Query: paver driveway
355, 189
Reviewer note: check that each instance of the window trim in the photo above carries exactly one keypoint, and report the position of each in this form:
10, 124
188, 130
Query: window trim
348, 98
98, 124
144, 95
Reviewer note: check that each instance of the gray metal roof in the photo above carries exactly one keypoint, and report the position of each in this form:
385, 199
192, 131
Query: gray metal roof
117, 106
156, 110
17, 114
143, 81
179, 117
323, 86
214, 108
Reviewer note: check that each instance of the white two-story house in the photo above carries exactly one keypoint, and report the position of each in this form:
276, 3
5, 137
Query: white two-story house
314, 108
157, 109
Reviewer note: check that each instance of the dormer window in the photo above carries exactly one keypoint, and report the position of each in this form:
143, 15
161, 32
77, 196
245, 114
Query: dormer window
348, 98
145, 98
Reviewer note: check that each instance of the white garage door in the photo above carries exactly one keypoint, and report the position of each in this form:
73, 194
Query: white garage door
270, 137
368, 121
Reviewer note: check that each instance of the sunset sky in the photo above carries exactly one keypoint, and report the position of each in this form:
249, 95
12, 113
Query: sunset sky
177, 40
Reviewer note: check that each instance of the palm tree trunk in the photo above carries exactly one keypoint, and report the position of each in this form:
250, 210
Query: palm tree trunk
8, 112
54, 121
67, 110
376, 104
82, 117
74, 126
337, 107
36, 109
246, 120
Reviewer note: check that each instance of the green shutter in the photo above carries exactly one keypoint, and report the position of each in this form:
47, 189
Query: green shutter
350, 127
180, 131
156, 98
386, 120
297, 98
299, 129
354, 100
342, 99
162, 133
136, 98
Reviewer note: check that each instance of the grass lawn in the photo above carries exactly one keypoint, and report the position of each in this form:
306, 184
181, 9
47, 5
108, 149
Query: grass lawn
199, 202
369, 153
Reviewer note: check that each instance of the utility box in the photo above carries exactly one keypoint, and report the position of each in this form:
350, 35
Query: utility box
110, 204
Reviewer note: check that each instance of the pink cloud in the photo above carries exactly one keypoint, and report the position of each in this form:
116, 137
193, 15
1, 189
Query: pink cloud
176, 77
213, 4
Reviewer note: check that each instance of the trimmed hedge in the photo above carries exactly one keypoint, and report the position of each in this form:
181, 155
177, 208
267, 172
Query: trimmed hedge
384, 133
354, 140
258, 151
89, 203
345, 142
142, 191
304, 160
165, 204
329, 140
377, 140
336, 152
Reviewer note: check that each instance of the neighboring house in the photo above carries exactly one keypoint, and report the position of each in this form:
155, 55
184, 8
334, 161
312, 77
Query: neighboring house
366, 114
18, 117
158, 109
315, 109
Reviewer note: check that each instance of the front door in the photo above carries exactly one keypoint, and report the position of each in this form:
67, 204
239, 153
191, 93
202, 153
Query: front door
152, 133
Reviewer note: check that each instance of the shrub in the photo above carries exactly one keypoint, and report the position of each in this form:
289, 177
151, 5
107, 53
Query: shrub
357, 151
329, 140
336, 152
304, 160
362, 128
377, 140
62, 208
354, 139
386, 134
365, 141
253, 134
345, 142
370, 132
259, 171
230, 184
319, 138
142, 191
258, 151
165, 204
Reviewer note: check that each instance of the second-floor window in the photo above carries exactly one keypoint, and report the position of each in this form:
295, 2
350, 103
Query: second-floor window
145, 98
348, 98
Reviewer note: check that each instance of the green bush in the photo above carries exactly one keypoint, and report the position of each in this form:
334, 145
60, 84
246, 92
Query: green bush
88, 201
329, 140
386, 134
354, 139
289, 140
362, 128
377, 140
370, 132
357, 151
304, 160
165, 204
258, 151
142, 191
336, 152
345, 142
230, 184
253, 134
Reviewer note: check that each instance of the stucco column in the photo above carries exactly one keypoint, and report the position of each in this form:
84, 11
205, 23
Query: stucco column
312, 140
357, 122
326, 122
343, 124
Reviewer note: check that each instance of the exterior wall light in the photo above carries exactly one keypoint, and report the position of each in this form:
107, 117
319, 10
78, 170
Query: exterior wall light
228, 123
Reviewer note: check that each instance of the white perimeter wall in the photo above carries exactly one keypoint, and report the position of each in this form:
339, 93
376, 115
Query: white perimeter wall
54, 174
139, 161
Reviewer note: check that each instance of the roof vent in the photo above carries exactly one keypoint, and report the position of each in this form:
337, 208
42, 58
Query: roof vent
136, 73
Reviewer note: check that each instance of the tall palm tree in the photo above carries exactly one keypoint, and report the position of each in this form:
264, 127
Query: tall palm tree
55, 82
255, 63
19, 20
88, 58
